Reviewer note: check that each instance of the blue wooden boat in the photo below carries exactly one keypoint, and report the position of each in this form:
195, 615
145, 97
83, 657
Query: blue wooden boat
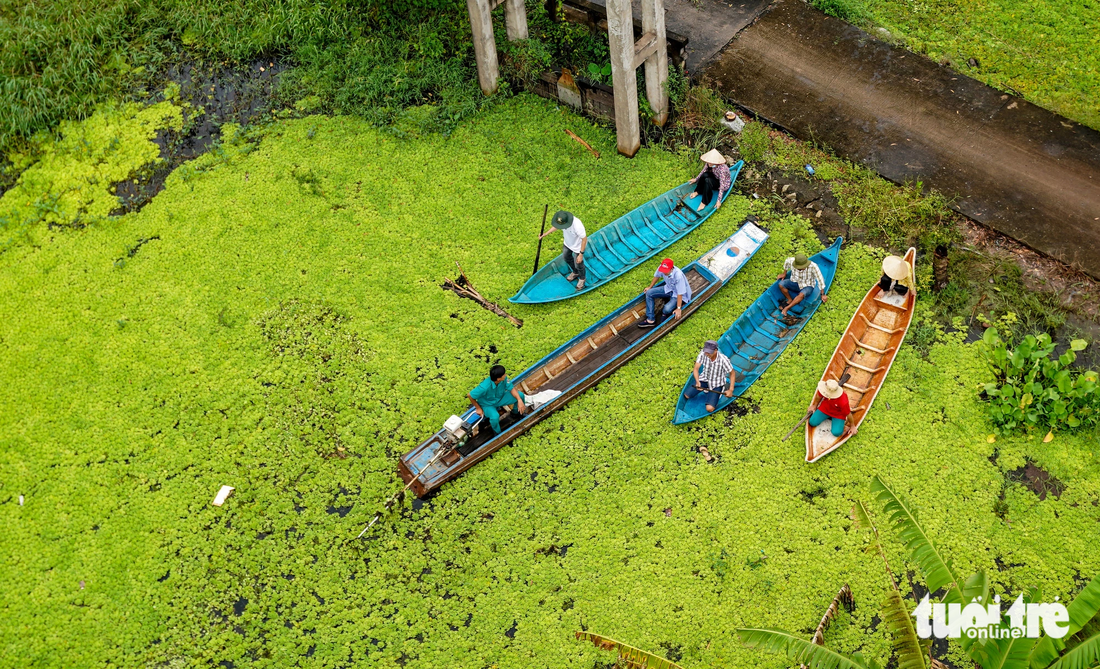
571, 369
622, 245
758, 337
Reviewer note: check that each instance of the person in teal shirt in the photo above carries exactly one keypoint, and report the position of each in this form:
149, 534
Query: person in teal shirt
496, 392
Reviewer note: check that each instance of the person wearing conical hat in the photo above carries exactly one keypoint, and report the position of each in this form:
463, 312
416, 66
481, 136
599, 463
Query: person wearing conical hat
896, 276
574, 242
713, 181
831, 404
800, 276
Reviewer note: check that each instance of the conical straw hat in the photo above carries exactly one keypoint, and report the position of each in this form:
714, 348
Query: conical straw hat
714, 157
896, 268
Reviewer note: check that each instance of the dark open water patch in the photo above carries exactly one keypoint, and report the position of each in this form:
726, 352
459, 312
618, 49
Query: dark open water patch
243, 94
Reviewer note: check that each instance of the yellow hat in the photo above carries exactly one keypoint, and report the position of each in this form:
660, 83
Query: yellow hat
714, 157
896, 268
830, 389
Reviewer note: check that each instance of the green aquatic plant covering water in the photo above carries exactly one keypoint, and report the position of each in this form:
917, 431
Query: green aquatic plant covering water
70, 173
282, 330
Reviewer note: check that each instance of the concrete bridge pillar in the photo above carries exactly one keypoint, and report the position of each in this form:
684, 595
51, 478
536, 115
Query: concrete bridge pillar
626, 56
485, 47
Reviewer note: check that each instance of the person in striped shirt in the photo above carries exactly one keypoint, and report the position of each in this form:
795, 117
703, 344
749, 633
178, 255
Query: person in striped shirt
712, 370
800, 275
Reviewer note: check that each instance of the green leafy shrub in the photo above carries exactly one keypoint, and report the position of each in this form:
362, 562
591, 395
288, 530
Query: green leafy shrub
1033, 390
754, 141
852, 11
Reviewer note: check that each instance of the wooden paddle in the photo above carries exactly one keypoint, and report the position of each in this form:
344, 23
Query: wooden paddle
541, 230
843, 379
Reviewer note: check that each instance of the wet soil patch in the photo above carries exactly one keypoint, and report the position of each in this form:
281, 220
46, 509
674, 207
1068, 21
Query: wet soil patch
1037, 480
218, 94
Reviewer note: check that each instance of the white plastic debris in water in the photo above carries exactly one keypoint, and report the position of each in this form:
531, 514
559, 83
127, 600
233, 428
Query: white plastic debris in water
733, 122
538, 399
20, 500
223, 495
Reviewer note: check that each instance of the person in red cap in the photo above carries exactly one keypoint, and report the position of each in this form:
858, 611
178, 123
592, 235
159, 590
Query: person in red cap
674, 287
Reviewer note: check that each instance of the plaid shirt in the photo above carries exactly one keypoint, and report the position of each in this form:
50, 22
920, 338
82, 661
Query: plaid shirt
724, 180
809, 277
714, 372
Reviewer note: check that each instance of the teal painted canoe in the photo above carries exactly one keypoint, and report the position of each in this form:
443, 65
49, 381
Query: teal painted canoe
621, 245
758, 337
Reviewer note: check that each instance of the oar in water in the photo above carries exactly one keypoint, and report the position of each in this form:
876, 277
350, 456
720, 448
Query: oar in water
843, 379
438, 454
541, 230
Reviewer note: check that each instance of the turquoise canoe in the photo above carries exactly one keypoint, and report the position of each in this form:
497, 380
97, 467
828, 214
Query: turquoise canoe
621, 245
758, 337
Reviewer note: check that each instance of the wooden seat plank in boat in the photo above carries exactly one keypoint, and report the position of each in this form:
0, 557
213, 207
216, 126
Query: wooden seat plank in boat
865, 352
757, 337
621, 245
579, 364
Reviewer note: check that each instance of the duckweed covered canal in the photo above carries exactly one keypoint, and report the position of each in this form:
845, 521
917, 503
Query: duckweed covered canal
281, 329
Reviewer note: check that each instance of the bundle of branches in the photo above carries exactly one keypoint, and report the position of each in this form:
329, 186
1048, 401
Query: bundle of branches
463, 288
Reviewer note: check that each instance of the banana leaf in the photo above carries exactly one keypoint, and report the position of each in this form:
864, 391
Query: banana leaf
1082, 609
629, 656
802, 651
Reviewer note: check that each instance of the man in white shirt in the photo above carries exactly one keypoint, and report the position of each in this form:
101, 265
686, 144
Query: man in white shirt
674, 286
574, 242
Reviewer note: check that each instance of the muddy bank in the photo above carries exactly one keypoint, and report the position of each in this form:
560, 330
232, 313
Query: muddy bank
1008, 164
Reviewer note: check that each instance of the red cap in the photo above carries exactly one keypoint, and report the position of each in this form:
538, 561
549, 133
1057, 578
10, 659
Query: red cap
666, 266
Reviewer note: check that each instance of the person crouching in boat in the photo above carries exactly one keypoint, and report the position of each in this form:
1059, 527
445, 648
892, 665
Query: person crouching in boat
800, 275
574, 242
895, 276
674, 287
831, 403
713, 181
495, 393
712, 371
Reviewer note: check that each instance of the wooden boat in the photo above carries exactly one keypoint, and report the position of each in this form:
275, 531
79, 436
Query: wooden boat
572, 368
866, 352
758, 337
622, 245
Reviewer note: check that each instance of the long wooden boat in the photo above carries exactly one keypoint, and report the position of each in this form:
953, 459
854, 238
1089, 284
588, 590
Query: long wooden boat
572, 368
622, 245
758, 336
866, 352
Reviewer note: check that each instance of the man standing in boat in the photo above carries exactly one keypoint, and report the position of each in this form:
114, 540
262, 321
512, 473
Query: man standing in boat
800, 275
831, 404
675, 288
574, 242
495, 393
712, 370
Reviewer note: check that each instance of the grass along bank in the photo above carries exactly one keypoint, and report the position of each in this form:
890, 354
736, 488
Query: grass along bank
285, 333
1047, 51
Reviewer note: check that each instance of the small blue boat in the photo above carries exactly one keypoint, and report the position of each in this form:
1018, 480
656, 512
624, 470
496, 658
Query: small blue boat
571, 369
758, 337
622, 245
